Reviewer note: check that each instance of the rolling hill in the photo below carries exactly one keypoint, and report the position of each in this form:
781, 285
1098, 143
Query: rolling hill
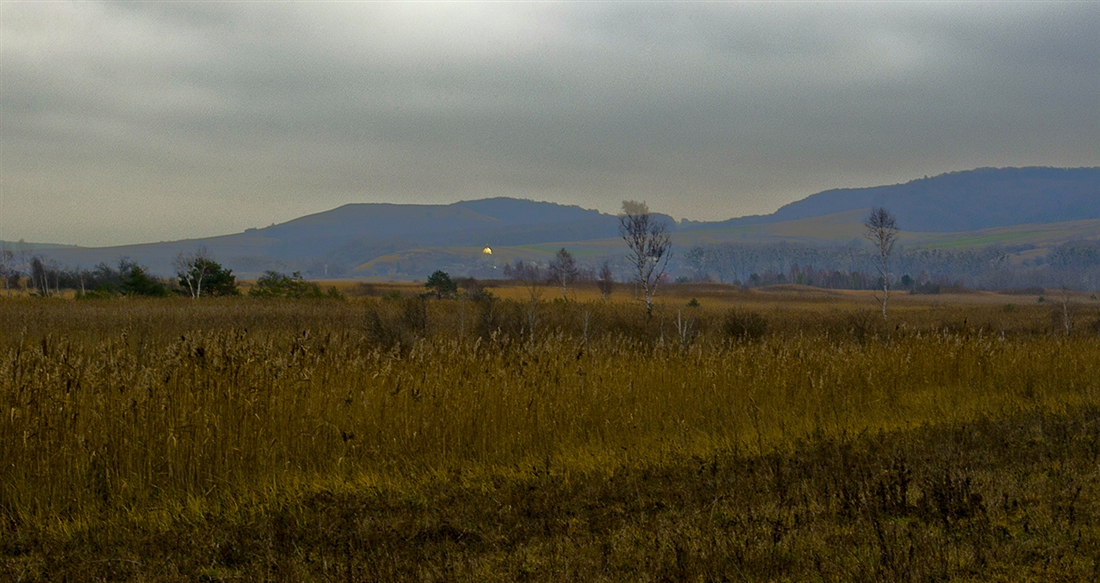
1018, 206
962, 201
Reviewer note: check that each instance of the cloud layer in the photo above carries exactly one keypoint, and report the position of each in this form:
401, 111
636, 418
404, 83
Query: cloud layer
128, 122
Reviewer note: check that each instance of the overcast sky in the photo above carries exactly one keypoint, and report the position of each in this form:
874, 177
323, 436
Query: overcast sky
145, 121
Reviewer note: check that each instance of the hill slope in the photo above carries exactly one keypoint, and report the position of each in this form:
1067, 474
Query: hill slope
960, 201
1044, 204
357, 233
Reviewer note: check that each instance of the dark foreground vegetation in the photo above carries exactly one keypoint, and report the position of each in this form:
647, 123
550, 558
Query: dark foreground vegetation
406, 439
1014, 499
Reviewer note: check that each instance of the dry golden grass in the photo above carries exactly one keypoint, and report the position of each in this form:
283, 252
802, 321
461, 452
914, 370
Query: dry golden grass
159, 413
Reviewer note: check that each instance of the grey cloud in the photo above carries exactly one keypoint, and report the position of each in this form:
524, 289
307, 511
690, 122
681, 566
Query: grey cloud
195, 119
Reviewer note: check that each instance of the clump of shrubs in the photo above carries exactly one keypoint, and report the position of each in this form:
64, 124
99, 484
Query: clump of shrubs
273, 284
744, 326
398, 323
1023, 291
129, 279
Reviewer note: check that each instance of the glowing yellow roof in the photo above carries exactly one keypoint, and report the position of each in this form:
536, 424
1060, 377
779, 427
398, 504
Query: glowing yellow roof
486, 251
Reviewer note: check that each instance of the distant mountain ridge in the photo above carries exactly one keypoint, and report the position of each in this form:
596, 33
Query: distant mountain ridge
962, 201
350, 234
346, 240
496, 220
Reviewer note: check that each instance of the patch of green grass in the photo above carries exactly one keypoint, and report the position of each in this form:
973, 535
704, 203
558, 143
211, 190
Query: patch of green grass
984, 240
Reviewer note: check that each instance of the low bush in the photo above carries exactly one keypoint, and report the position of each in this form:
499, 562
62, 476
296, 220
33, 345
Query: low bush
743, 326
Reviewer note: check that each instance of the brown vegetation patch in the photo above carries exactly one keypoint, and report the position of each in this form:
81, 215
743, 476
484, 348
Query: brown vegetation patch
490, 439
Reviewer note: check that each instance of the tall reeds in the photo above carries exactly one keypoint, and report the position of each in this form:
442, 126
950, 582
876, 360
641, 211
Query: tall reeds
130, 406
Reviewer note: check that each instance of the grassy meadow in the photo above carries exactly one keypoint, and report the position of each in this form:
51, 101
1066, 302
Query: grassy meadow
785, 434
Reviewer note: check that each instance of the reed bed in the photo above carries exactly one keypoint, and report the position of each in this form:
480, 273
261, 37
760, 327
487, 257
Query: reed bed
164, 411
129, 404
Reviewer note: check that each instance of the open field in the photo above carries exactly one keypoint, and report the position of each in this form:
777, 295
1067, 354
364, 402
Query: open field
834, 229
721, 296
777, 434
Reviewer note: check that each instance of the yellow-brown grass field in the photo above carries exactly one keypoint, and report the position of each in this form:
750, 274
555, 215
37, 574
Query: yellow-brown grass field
780, 434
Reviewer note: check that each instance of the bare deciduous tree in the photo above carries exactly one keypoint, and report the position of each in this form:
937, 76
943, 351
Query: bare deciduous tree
195, 270
531, 274
40, 277
1066, 321
25, 251
564, 271
7, 268
650, 247
191, 269
606, 281
881, 229
55, 269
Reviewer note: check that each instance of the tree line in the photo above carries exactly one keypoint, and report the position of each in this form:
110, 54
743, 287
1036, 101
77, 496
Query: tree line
197, 275
1075, 265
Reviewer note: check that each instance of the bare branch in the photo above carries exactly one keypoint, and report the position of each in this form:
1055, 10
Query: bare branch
649, 245
881, 229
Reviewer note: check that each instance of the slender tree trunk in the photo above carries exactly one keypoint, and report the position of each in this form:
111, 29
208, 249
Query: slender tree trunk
885, 296
1065, 309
